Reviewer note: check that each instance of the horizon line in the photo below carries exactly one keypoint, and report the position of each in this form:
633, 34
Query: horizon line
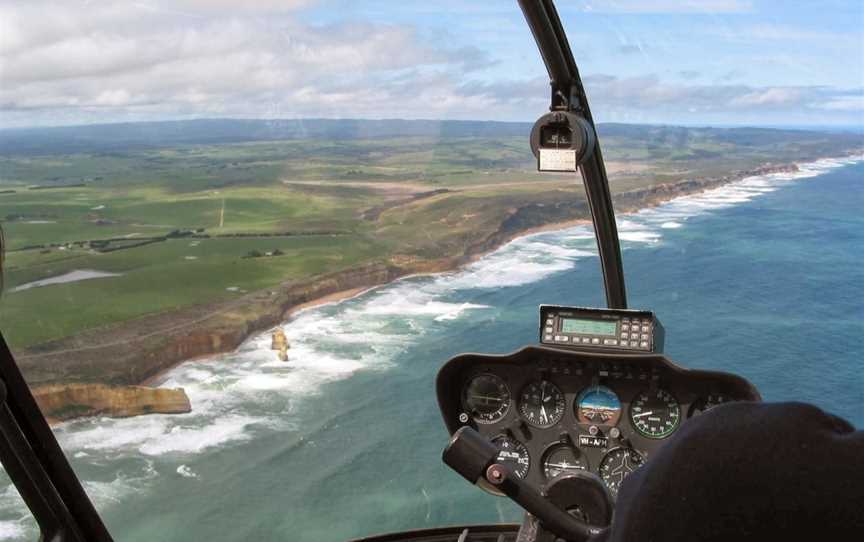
770, 126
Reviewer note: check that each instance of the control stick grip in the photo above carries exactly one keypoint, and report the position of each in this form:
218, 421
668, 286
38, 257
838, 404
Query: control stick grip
469, 454
474, 457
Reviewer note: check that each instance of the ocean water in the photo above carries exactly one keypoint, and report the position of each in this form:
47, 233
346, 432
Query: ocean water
762, 277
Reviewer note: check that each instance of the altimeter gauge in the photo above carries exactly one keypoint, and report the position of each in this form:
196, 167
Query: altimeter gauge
542, 404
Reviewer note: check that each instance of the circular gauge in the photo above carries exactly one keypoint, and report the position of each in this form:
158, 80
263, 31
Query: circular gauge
655, 413
513, 454
561, 459
617, 465
707, 403
542, 404
598, 405
487, 398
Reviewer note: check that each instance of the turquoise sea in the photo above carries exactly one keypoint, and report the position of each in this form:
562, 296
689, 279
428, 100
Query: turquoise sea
762, 277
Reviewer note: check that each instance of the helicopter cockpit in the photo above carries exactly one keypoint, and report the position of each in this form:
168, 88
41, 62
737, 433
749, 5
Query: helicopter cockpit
557, 426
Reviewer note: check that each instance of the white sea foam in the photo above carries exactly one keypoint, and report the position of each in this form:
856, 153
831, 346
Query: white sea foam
12, 530
21, 528
186, 472
196, 439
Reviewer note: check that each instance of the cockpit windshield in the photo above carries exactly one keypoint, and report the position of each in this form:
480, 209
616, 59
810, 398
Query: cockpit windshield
241, 239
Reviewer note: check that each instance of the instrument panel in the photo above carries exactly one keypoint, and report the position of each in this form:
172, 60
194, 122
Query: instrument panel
553, 411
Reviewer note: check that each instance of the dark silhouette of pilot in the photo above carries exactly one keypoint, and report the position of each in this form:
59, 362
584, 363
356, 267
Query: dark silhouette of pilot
745, 472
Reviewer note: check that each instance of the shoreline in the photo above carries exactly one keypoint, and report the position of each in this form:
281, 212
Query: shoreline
344, 295
328, 299
277, 307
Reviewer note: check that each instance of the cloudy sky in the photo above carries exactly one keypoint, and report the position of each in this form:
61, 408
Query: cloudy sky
664, 61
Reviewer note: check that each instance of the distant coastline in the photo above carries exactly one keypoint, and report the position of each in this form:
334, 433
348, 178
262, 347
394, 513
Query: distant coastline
148, 347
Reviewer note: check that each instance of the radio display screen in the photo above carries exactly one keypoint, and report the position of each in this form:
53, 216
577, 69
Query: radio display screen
589, 327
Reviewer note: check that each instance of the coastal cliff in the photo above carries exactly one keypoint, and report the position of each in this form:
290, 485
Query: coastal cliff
64, 401
535, 217
100, 371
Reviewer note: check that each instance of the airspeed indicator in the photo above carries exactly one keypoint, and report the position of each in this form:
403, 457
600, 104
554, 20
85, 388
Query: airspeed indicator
655, 413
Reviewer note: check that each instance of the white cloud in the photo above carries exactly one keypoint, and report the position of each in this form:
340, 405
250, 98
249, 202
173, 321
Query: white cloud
234, 5
854, 103
769, 97
146, 61
667, 6
106, 61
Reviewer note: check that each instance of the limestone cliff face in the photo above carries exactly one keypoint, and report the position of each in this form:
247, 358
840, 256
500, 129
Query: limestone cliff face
65, 401
129, 353
534, 215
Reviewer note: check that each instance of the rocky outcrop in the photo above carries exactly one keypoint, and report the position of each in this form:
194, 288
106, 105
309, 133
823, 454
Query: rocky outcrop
65, 401
279, 343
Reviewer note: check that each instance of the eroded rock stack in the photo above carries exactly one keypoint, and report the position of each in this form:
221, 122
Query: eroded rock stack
279, 343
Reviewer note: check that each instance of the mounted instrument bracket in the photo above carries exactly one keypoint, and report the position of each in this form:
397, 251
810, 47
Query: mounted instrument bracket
565, 139
561, 141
